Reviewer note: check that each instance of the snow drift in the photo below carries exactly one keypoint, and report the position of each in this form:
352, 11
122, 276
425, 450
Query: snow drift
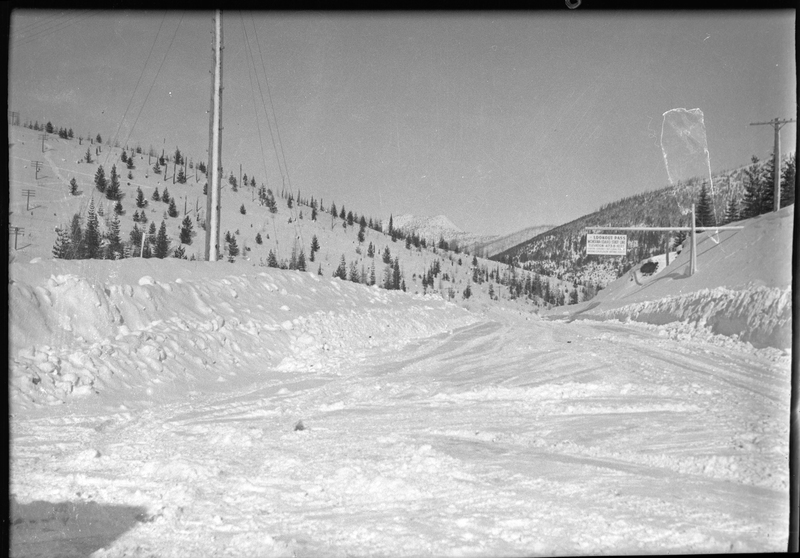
742, 287
77, 327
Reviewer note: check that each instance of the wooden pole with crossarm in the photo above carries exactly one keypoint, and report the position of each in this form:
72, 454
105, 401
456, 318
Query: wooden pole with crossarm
777, 124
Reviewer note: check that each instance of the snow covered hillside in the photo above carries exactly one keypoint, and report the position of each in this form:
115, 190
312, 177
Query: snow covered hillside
742, 288
437, 228
168, 407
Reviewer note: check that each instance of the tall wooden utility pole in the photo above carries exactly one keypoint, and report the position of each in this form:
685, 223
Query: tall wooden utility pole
777, 124
214, 170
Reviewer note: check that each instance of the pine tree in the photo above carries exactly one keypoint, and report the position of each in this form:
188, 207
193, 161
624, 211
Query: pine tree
73, 187
172, 211
165, 196
767, 190
704, 215
258, 238
151, 233
341, 271
233, 248
114, 250
70, 134
181, 177
353, 275
156, 195
271, 203
272, 261
88, 156
387, 256
731, 212
314, 244
179, 253
186, 230
75, 238
301, 260
98, 139
242, 210
135, 240
751, 201
372, 274
61, 249
91, 236
49, 127
112, 189
396, 276
100, 179
333, 209
788, 180
313, 213
118, 209
319, 270
371, 250
361, 235
178, 156
157, 168
162, 242
130, 164
140, 201
124, 156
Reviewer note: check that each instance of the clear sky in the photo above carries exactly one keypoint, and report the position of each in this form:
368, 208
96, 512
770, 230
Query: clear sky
498, 120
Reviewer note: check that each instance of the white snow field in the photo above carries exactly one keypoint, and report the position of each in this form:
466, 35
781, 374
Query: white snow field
177, 408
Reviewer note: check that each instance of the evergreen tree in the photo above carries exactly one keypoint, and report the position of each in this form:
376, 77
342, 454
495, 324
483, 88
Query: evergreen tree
88, 156
751, 201
313, 213
387, 256
112, 189
100, 179
353, 275
178, 156
118, 209
181, 177
233, 248
319, 270
151, 233
179, 253
371, 250
165, 196
341, 271
172, 211
258, 238
135, 240
130, 164
731, 212
242, 210
272, 261
156, 195
767, 190
91, 236
157, 168
704, 215
75, 238
333, 209
49, 127
124, 156
271, 203
396, 276
391, 225
314, 244
70, 134
147, 252
162, 242
342, 214
361, 235
61, 249
73, 187
140, 201
788, 180
186, 231
372, 274
114, 250
301, 260
98, 139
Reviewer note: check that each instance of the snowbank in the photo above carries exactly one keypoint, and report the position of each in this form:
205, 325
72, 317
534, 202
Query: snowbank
78, 328
742, 286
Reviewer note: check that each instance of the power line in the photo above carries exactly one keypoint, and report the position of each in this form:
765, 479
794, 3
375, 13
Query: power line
53, 29
155, 40
253, 95
154, 80
274, 115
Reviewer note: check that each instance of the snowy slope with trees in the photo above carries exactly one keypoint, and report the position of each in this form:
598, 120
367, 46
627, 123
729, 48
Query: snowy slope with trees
173, 407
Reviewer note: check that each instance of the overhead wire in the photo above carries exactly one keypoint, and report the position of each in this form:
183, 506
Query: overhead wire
255, 108
274, 114
46, 32
158, 72
141, 74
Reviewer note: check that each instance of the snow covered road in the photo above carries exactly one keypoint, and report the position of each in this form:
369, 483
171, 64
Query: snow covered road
504, 437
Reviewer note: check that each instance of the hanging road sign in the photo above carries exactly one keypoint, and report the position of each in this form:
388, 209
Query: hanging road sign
606, 244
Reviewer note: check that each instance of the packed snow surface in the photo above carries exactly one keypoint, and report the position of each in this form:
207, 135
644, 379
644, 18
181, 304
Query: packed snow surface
177, 408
